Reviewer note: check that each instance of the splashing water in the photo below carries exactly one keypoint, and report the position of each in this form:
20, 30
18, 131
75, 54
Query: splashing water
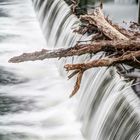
108, 107
33, 95
34, 102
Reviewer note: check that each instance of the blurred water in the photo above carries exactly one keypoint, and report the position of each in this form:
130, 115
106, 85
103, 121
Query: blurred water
34, 102
33, 95
107, 106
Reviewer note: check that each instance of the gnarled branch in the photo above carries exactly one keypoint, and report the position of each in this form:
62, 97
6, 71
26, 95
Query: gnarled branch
79, 50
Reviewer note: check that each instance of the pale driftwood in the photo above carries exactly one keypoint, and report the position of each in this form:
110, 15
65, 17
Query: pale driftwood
97, 18
130, 56
78, 50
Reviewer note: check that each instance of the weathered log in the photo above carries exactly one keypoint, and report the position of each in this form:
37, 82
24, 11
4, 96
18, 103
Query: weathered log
79, 50
106, 62
118, 43
97, 19
129, 56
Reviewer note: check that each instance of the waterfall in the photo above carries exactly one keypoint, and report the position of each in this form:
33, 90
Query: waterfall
34, 103
33, 95
56, 22
108, 107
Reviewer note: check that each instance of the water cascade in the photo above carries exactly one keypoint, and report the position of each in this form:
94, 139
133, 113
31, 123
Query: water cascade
34, 102
108, 107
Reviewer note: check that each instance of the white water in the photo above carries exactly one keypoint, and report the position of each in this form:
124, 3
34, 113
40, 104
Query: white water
39, 108
108, 107
34, 102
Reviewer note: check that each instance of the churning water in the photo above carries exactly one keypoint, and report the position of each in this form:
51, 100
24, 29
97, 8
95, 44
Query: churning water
34, 102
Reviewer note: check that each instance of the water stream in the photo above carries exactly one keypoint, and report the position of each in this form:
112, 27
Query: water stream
34, 103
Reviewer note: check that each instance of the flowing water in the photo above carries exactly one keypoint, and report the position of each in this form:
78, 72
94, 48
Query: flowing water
34, 102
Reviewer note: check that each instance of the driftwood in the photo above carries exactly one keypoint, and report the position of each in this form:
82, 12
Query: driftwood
95, 47
97, 19
129, 56
120, 46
